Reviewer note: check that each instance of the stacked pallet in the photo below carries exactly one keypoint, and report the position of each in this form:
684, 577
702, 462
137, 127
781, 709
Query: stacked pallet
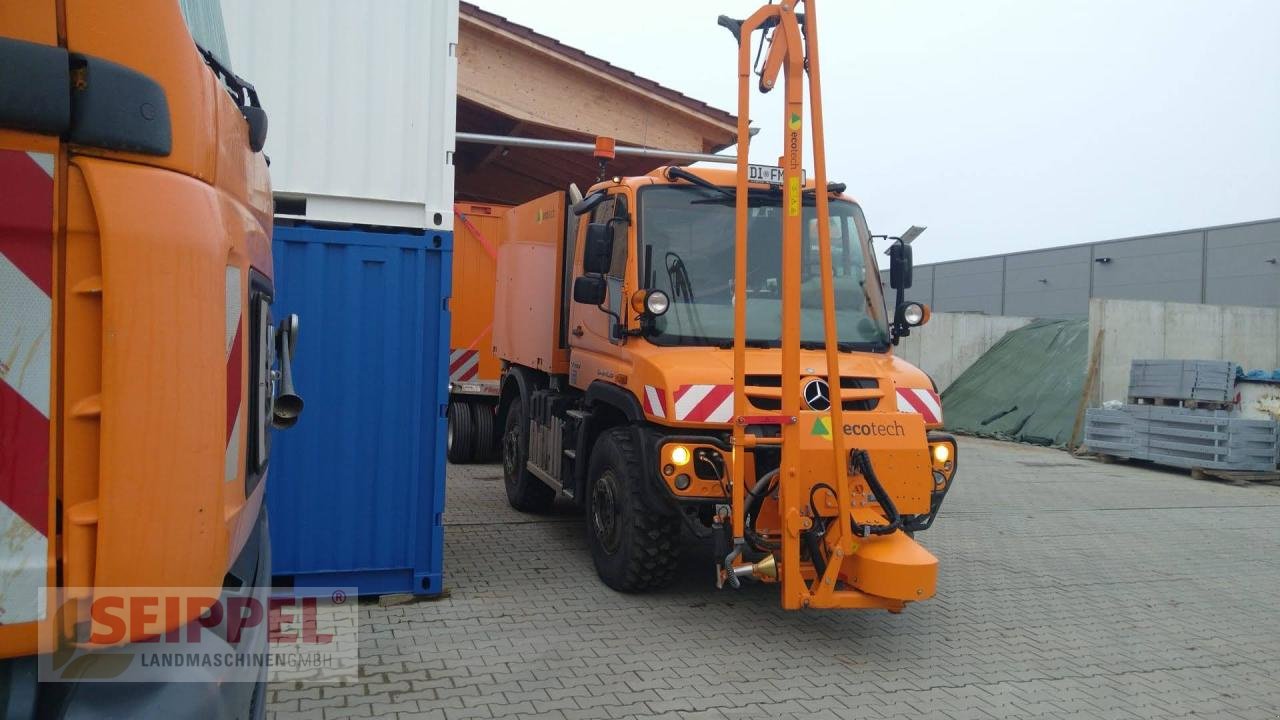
1180, 413
1181, 382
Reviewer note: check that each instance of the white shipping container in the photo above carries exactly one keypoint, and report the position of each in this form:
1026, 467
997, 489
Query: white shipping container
361, 99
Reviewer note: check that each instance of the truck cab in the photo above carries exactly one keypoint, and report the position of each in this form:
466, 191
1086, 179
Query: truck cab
136, 344
621, 397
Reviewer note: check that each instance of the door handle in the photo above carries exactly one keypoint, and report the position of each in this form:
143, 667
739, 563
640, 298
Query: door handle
577, 331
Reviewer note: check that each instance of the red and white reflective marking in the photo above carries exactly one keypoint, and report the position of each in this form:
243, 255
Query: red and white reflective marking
704, 403
234, 344
26, 287
923, 402
655, 401
463, 365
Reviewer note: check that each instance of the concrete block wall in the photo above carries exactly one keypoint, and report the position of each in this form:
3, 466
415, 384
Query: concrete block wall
1249, 336
951, 342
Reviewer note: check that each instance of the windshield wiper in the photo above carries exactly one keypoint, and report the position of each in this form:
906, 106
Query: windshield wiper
756, 344
842, 346
681, 173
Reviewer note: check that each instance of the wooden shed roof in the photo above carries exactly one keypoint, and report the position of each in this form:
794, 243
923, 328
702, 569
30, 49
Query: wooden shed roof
515, 81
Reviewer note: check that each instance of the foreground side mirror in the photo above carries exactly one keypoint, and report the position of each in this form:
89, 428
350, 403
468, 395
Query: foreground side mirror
900, 265
597, 253
590, 290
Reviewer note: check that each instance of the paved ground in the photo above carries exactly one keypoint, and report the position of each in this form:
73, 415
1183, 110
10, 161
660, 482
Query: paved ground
1068, 589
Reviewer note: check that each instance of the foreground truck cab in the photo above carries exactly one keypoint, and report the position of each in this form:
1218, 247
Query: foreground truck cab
712, 349
137, 350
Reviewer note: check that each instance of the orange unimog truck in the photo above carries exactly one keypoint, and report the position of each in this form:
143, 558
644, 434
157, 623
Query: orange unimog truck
136, 344
473, 369
711, 349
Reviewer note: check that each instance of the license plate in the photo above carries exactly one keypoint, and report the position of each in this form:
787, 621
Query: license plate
768, 174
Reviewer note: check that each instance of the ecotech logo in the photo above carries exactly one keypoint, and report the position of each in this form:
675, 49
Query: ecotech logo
822, 428
201, 635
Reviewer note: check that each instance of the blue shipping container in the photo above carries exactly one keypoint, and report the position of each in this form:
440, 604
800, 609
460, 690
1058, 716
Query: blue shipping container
356, 488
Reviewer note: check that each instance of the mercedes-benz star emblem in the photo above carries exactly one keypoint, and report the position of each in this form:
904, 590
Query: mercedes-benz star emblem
817, 395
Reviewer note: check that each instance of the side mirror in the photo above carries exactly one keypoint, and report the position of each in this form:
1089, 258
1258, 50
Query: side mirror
900, 266
597, 253
256, 118
590, 290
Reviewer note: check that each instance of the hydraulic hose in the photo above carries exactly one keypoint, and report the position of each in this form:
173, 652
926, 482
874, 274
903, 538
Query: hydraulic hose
755, 500
861, 462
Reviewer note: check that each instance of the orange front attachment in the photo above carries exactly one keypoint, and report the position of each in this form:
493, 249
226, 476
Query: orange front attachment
862, 569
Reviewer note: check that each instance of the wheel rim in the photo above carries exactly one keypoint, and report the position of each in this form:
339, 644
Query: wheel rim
605, 520
510, 450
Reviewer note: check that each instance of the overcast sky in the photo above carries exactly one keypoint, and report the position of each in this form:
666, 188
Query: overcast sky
1001, 124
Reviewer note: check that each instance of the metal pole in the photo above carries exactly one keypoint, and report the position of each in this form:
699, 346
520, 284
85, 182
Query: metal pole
483, 139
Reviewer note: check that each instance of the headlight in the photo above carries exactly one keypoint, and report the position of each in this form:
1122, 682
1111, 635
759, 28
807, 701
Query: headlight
650, 302
680, 455
941, 453
913, 314
657, 302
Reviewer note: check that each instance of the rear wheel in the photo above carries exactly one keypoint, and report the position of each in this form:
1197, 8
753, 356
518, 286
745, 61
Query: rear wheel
634, 548
460, 435
525, 492
486, 439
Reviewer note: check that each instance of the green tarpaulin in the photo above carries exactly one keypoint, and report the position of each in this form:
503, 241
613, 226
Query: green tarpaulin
1025, 388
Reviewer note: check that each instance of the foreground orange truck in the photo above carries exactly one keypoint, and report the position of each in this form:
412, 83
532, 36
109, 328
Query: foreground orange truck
710, 350
137, 349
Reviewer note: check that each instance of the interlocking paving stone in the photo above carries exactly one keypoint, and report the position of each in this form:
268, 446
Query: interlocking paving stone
1067, 589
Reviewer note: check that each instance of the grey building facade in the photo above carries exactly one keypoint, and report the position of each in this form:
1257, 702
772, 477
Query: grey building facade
1223, 265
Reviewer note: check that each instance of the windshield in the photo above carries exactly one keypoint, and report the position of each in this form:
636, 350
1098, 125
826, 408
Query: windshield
686, 238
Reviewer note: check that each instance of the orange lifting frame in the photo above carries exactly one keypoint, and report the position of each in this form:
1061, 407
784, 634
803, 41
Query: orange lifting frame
791, 52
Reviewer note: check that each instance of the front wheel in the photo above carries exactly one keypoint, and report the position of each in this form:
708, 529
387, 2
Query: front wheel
634, 549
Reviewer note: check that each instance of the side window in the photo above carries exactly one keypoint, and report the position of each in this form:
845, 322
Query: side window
604, 212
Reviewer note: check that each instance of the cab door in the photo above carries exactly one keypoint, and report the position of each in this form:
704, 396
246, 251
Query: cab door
594, 331
34, 109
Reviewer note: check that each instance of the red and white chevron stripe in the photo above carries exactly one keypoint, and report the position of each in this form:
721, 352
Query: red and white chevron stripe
26, 288
923, 402
463, 365
704, 403
234, 344
655, 401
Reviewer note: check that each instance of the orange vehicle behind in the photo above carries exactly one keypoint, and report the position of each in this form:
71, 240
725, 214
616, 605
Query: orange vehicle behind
479, 230
136, 344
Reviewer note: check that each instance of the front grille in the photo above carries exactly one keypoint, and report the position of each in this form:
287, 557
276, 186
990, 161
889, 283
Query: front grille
773, 401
